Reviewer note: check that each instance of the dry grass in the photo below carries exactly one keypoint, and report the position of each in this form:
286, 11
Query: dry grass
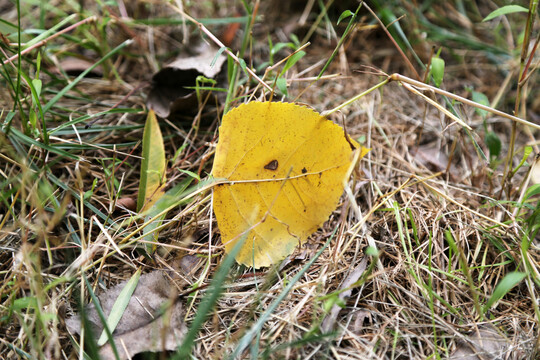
423, 197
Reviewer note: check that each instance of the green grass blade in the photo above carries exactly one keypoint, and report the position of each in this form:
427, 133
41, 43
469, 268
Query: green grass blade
45, 34
504, 286
60, 94
341, 41
156, 214
181, 21
101, 315
28, 140
120, 306
209, 301
508, 9
246, 340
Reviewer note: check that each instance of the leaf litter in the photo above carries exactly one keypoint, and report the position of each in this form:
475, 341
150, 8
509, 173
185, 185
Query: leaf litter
169, 94
485, 343
153, 320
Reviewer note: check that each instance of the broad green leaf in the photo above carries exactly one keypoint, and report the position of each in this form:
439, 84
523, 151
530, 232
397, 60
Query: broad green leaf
526, 153
295, 40
280, 46
481, 99
345, 15
32, 118
508, 9
152, 180
120, 306
281, 84
37, 85
494, 144
532, 191
24, 303
243, 65
504, 286
437, 70
293, 59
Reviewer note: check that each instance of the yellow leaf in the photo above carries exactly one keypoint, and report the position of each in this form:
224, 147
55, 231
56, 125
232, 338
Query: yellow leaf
284, 168
152, 166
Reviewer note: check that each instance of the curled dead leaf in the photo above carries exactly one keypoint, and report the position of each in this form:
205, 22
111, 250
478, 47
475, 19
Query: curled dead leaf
330, 320
126, 203
169, 95
147, 324
75, 66
486, 343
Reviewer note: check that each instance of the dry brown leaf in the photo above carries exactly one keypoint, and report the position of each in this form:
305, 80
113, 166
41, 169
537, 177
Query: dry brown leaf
142, 326
163, 334
126, 203
75, 66
484, 344
168, 94
330, 319
359, 318
432, 157
188, 263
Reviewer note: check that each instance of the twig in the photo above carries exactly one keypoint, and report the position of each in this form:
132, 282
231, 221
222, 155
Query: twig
405, 58
437, 105
422, 86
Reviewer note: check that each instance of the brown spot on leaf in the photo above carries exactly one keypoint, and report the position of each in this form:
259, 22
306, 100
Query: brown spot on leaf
272, 165
304, 170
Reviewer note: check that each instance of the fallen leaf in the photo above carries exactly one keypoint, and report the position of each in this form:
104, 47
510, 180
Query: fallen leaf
485, 343
188, 263
75, 66
164, 334
330, 319
120, 305
359, 318
144, 325
169, 95
151, 185
432, 157
125, 203
284, 167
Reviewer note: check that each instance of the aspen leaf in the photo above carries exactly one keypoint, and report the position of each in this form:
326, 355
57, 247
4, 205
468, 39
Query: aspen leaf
283, 168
